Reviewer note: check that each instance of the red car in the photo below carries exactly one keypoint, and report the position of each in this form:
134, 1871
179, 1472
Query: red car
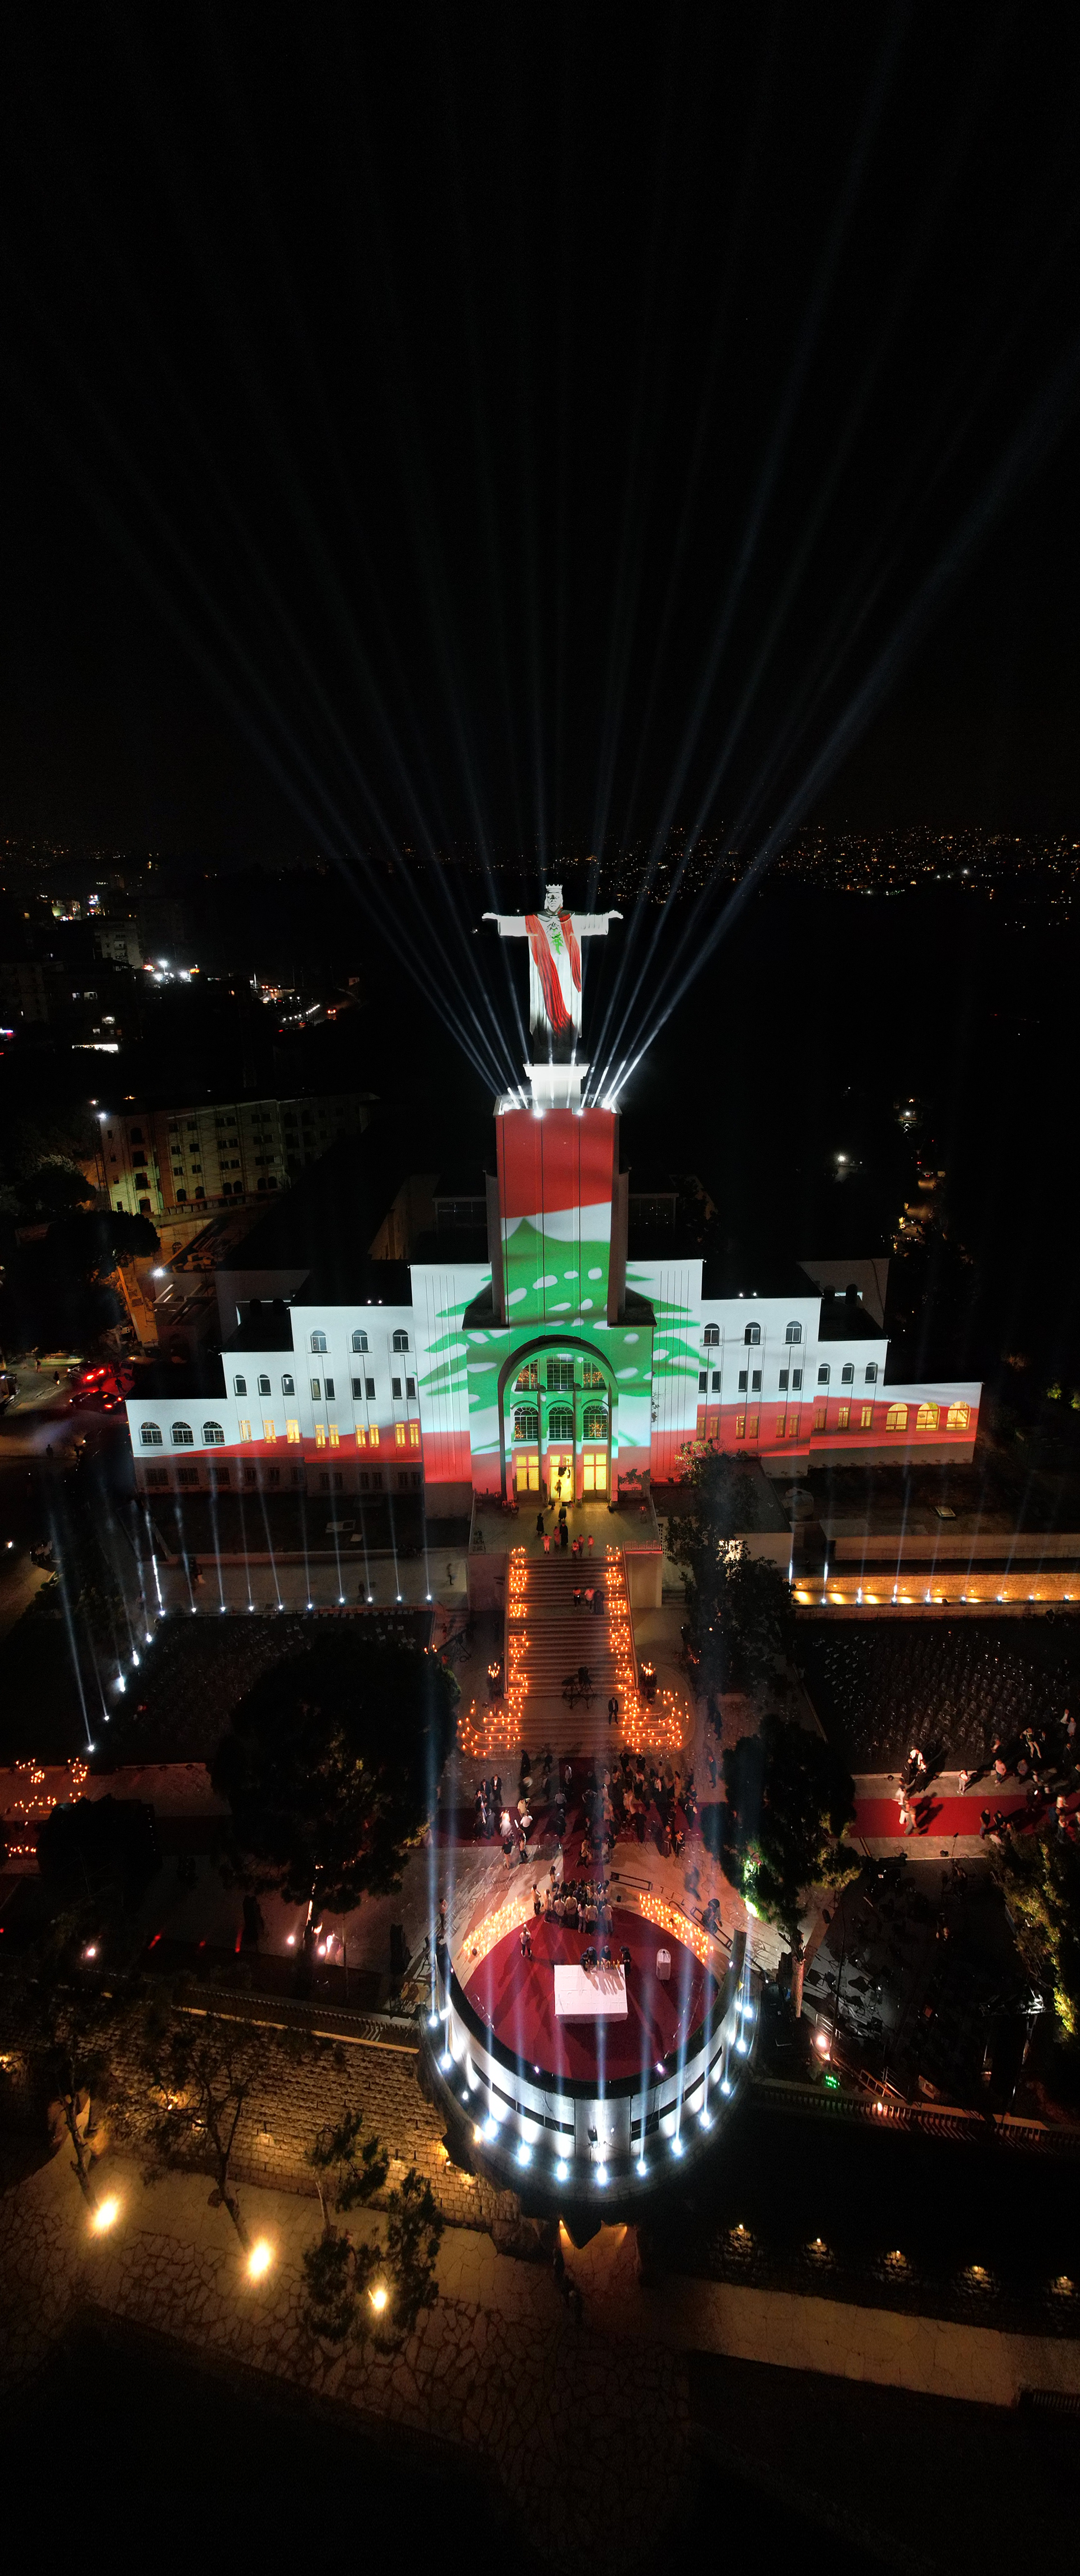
104, 1387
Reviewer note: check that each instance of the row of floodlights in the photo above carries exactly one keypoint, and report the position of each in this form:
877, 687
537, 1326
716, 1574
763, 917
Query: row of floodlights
486, 2131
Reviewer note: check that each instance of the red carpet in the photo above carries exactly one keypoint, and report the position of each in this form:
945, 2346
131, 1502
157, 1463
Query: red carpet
876, 1817
517, 1997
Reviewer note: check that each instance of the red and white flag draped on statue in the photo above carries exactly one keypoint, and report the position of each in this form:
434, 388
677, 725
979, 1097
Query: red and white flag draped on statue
555, 973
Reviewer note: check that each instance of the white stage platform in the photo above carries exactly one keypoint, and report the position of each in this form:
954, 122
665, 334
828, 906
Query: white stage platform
590, 1994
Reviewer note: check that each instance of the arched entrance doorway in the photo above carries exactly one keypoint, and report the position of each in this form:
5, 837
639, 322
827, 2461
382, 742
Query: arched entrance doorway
557, 1407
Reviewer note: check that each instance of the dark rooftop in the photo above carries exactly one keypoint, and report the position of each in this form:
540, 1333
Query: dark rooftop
166, 1380
846, 1319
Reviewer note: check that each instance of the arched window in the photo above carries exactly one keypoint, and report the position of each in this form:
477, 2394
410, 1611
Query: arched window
288, 1386
561, 1422
926, 1418
871, 1372
823, 1374
958, 1417
359, 1341
526, 1422
182, 1436
150, 1435
594, 1424
264, 1386
896, 1418
847, 1373
213, 1435
401, 1341
240, 1386
793, 1332
752, 1335
711, 1336
318, 1342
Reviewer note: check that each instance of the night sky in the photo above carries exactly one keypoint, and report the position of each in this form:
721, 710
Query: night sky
537, 428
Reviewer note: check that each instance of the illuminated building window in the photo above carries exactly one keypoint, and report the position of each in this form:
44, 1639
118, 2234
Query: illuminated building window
594, 1472
316, 1391
866, 1417
594, 1422
926, 1418
780, 1427
399, 1434
361, 1436
958, 1417
751, 1426
414, 1435
245, 1430
793, 1424
740, 1426
373, 1435
896, 1418
842, 1414
292, 1434
561, 1422
320, 1435
592, 1375
270, 1433
529, 1379
820, 1413
335, 1436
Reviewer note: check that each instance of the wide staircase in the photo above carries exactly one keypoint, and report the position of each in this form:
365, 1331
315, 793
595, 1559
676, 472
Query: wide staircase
547, 1641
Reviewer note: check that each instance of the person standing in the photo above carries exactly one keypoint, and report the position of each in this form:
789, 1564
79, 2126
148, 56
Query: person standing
612, 1710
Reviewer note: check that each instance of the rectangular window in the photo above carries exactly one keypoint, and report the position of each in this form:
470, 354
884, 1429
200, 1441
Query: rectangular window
157, 1476
361, 1436
560, 1376
273, 1475
292, 1434
288, 1386
866, 1417
358, 1390
373, 1435
782, 1381
591, 1375
410, 1390
896, 1418
819, 1417
365, 1484
796, 1379
369, 1390
335, 1436
316, 1391
395, 1390
755, 1381
703, 1382
793, 1424
403, 1484
187, 1475
245, 1430
780, 1427
740, 1426
751, 1426
320, 1435
742, 1381
240, 1386
399, 1434
328, 1389
716, 1381
270, 1432
414, 1435
376, 1481
843, 1412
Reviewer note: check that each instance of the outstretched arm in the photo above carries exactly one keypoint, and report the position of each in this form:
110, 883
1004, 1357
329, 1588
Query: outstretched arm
512, 925
593, 925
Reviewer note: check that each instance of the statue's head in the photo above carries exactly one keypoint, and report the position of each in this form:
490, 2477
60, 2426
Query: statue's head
553, 899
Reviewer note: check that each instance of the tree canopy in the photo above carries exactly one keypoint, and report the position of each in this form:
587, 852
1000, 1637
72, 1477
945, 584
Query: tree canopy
740, 1617
330, 1766
1039, 1875
789, 1799
98, 1848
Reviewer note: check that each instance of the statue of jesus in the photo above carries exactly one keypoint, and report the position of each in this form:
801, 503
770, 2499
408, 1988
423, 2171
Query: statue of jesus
554, 938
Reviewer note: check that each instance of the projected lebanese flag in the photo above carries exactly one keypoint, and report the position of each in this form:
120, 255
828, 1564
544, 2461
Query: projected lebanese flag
550, 1165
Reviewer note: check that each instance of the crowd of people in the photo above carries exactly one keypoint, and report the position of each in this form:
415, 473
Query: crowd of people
1044, 1762
599, 1802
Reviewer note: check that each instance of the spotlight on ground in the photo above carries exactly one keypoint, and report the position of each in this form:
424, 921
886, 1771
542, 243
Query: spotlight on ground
260, 2258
